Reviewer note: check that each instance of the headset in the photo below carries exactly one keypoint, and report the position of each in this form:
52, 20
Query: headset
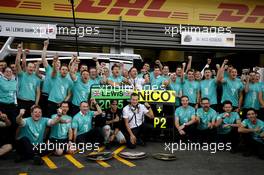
134, 109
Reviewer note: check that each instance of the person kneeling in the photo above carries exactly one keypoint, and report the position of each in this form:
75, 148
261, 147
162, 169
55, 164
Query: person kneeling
252, 130
111, 130
61, 134
5, 141
206, 117
185, 120
82, 125
227, 126
133, 115
29, 142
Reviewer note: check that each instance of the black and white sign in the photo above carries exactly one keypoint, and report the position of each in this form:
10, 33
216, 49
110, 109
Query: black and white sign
27, 30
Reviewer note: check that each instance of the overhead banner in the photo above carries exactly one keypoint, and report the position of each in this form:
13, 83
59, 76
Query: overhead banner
226, 13
27, 30
208, 39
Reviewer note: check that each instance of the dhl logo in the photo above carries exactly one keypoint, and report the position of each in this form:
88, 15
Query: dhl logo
149, 9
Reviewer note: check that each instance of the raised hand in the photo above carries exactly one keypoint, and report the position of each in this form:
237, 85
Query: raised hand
22, 112
46, 43
209, 60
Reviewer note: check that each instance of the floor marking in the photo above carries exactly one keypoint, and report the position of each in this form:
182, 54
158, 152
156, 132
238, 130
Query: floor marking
124, 161
49, 162
74, 161
100, 162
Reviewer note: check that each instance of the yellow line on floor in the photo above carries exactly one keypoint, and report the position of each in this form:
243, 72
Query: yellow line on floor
23, 174
100, 162
74, 161
103, 164
49, 162
124, 161
118, 150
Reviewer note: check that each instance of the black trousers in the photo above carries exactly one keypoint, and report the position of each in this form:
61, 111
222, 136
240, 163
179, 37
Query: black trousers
139, 133
5, 136
25, 104
190, 134
206, 136
54, 140
27, 150
43, 102
52, 108
261, 114
93, 136
60, 143
74, 110
215, 107
252, 146
232, 137
192, 104
11, 111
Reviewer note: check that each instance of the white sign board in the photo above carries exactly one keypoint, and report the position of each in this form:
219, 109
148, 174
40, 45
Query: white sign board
27, 30
208, 39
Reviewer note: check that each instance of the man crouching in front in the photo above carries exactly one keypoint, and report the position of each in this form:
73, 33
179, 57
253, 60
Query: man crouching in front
133, 115
31, 133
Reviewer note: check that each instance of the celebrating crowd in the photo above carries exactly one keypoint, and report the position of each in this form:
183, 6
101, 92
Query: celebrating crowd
212, 105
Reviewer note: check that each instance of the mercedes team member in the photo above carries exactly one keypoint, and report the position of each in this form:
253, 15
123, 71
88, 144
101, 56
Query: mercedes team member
133, 115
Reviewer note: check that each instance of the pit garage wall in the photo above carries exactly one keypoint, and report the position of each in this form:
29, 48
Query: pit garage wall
135, 34
143, 22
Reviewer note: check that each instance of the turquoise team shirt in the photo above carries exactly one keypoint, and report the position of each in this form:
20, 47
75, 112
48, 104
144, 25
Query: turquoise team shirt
61, 130
80, 91
151, 75
178, 80
34, 130
146, 86
231, 89
184, 114
78, 74
117, 79
206, 117
28, 85
208, 90
261, 84
165, 77
226, 74
175, 86
83, 124
46, 83
156, 82
8, 90
251, 98
95, 81
140, 75
255, 135
190, 89
227, 120
60, 88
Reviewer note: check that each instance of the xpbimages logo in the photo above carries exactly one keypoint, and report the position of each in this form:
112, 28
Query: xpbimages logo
192, 146
80, 31
80, 147
175, 30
